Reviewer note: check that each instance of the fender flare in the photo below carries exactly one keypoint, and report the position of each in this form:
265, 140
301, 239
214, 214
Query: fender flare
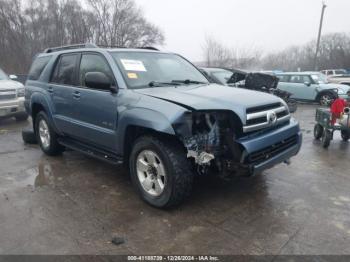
329, 91
38, 98
144, 118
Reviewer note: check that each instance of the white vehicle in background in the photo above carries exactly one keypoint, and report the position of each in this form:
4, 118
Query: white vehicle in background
11, 98
337, 76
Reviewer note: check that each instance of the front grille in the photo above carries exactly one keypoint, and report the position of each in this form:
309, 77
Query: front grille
263, 108
271, 151
265, 116
7, 94
7, 97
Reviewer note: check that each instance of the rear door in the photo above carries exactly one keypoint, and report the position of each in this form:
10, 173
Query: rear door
63, 81
95, 111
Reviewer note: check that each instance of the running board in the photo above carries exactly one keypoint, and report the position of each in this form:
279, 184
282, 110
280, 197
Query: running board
91, 151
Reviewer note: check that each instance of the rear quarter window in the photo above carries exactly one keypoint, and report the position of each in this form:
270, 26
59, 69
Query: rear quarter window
38, 67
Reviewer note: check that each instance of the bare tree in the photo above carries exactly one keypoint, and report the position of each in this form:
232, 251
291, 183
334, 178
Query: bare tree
28, 29
122, 23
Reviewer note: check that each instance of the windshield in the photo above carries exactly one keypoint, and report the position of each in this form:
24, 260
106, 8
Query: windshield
319, 78
223, 76
3, 76
149, 69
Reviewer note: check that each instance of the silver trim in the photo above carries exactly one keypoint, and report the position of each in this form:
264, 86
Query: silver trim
267, 123
264, 113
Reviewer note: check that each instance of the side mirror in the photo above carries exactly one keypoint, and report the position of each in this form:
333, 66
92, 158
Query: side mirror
98, 80
13, 77
307, 83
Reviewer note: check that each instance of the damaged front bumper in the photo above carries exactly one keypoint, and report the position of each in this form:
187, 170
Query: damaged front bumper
267, 150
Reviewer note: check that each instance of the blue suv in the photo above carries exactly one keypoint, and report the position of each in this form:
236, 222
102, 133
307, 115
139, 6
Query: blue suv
156, 113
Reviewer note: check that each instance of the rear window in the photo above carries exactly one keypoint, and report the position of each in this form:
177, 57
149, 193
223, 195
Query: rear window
38, 67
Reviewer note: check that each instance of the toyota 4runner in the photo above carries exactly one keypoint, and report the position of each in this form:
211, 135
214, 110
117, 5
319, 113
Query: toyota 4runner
158, 114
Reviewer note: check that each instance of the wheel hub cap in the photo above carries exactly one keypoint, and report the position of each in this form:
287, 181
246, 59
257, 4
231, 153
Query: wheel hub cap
44, 133
151, 172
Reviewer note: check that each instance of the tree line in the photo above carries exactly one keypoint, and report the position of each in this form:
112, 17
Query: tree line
29, 27
334, 53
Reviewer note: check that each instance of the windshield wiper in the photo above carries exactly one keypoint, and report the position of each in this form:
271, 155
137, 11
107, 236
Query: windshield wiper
188, 82
160, 84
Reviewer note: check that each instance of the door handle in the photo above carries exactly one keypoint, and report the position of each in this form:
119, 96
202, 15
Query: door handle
76, 95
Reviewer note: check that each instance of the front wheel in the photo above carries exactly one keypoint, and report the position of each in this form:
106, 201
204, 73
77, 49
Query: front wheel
345, 135
318, 131
160, 171
326, 99
326, 138
46, 136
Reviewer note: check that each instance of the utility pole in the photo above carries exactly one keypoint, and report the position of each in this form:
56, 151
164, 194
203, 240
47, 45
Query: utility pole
319, 36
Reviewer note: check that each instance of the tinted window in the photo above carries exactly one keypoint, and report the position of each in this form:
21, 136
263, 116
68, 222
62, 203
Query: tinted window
38, 67
94, 63
329, 72
283, 78
301, 79
64, 72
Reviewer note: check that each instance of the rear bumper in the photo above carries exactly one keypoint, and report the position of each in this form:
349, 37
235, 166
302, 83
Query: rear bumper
270, 139
14, 107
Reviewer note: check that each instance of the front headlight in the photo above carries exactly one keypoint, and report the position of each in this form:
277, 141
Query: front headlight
20, 92
341, 92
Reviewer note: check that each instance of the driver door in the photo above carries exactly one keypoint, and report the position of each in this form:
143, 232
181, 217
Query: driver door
95, 110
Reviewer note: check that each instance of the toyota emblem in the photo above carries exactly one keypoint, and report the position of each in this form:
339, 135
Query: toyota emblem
271, 117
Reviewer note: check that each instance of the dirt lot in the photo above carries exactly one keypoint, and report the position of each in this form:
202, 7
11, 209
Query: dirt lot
73, 204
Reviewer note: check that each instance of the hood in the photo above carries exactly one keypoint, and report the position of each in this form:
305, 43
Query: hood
343, 88
211, 97
9, 84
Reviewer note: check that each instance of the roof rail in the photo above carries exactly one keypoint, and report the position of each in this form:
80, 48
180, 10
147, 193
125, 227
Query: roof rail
67, 47
114, 46
89, 45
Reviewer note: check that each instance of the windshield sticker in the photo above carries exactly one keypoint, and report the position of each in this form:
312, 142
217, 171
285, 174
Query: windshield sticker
132, 76
133, 65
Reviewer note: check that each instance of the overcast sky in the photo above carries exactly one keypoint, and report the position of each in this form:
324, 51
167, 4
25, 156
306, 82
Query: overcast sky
267, 24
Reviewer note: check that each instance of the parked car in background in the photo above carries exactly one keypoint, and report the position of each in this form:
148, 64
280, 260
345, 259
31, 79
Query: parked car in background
157, 113
11, 98
312, 86
337, 76
258, 81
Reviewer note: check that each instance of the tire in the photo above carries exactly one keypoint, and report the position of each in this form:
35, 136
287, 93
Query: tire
22, 117
292, 105
326, 99
326, 138
50, 145
28, 136
318, 131
170, 160
345, 135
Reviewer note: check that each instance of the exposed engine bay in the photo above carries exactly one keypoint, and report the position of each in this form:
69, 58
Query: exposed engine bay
212, 145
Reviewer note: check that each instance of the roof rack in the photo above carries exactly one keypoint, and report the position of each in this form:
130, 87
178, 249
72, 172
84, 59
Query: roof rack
67, 47
89, 45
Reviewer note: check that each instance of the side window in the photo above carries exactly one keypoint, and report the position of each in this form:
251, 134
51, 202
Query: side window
306, 79
329, 72
296, 79
64, 72
283, 78
93, 63
38, 67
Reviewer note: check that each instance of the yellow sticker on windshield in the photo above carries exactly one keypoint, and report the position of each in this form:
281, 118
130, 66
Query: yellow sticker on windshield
132, 76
